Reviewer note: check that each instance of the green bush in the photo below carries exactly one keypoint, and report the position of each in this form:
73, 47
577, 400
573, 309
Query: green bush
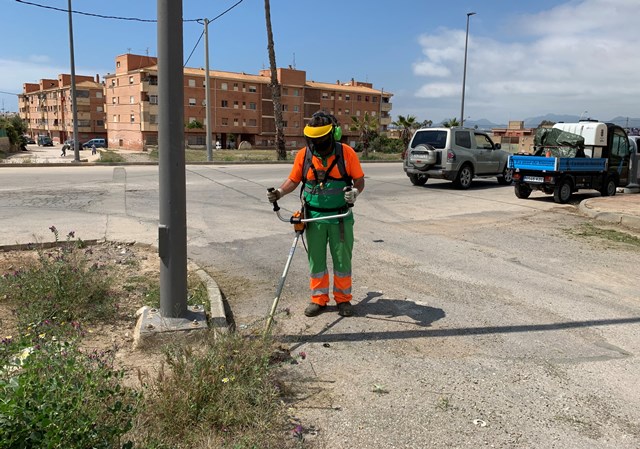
55, 396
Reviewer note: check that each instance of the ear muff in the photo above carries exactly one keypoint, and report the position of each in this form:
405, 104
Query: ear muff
337, 132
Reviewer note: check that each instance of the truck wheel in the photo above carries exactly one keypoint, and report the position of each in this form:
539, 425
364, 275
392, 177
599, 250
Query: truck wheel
609, 187
562, 192
418, 180
522, 191
464, 177
506, 178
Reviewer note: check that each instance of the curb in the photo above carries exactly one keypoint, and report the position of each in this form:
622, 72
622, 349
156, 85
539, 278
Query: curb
629, 221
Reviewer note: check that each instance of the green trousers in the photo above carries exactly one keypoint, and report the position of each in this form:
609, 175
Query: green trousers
339, 239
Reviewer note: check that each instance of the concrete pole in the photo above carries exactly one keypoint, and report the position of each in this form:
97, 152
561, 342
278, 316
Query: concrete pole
207, 88
172, 230
74, 106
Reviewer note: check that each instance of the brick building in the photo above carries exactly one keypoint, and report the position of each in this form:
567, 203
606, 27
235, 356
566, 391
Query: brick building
241, 105
515, 138
46, 108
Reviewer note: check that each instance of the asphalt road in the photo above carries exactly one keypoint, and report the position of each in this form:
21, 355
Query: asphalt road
481, 320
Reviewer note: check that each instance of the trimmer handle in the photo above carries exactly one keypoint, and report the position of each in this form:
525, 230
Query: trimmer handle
348, 189
276, 208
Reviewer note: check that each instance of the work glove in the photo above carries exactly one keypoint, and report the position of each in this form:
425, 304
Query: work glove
350, 195
274, 195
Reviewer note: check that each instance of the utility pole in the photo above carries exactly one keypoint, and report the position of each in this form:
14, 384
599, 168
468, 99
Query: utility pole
464, 70
172, 228
207, 94
74, 107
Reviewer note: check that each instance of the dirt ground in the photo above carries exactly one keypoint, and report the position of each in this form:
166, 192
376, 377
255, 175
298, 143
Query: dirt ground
134, 268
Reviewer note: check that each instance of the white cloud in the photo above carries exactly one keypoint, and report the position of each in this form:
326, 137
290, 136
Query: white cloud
571, 58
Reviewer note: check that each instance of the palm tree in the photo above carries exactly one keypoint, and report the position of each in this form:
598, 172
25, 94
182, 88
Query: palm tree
451, 123
275, 86
407, 125
367, 127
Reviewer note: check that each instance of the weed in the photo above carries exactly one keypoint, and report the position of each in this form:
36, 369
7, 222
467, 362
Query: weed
110, 156
443, 403
224, 391
588, 230
54, 395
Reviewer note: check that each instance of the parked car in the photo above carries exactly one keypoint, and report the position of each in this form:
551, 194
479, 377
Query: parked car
455, 154
68, 145
45, 141
99, 143
635, 143
28, 140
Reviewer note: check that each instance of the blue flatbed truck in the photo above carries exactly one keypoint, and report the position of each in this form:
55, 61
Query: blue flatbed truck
573, 156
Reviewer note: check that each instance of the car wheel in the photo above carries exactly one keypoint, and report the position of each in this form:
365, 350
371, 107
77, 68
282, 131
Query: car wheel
464, 177
418, 180
609, 187
562, 192
506, 178
522, 191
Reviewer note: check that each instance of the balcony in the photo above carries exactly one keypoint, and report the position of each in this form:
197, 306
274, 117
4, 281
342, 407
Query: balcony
385, 107
385, 121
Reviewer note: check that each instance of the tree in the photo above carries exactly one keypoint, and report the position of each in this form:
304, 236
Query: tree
15, 127
367, 127
451, 123
546, 124
407, 125
275, 86
195, 124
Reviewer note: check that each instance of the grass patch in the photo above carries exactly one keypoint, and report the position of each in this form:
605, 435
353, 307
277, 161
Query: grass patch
221, 391
589, 230
110, 156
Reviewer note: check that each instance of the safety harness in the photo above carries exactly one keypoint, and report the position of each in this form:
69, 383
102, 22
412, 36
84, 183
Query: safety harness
311, 186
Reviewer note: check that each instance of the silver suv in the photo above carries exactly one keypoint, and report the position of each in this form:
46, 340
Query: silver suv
456, 154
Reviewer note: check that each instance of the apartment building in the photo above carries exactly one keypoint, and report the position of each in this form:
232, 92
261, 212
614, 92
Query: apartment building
46, 107
241, 105
515, 138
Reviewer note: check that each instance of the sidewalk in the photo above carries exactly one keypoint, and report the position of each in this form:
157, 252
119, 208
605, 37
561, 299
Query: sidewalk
49, 155
622, 208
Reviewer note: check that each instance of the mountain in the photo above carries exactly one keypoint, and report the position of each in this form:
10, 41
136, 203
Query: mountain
534, 122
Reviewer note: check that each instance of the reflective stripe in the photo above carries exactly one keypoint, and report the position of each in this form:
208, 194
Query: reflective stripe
346, 291
342, 274
320, 291
319, 275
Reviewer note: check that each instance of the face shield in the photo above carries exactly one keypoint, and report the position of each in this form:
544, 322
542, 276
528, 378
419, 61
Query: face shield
323, 146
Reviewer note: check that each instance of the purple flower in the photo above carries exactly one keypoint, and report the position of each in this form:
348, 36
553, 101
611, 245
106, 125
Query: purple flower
303, 355
71, 234
53, 229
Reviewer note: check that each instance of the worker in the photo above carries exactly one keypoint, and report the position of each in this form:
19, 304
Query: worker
331, 178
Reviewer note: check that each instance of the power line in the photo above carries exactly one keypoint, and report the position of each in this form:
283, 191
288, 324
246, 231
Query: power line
8, 93
101, 16
202, 34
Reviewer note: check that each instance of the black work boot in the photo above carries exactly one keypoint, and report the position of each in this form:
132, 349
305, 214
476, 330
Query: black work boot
345, 309
313, 309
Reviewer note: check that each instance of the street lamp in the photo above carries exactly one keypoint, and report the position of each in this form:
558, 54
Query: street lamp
464, 70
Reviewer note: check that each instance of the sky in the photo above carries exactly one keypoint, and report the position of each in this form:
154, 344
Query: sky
525, 58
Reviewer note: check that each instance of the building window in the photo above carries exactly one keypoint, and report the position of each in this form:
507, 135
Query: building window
225, 121
99, 122
347, 111
224, 104
153, 99
366, 98
114, 100
153, 119
98, 94
130, 80
244, 105
132, 118
235, 86
375, 99
118, 64
192, 101
359, 97
235, 105
284, 124
192, 119
192, 83
340, 97
235, 122
347, 97
132, 99
296, 93
223, 86
113, 82
358, 113
252, 106
285, 107
115, 118
296, 108
99, 109
325, 96
253, 122
253, 89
